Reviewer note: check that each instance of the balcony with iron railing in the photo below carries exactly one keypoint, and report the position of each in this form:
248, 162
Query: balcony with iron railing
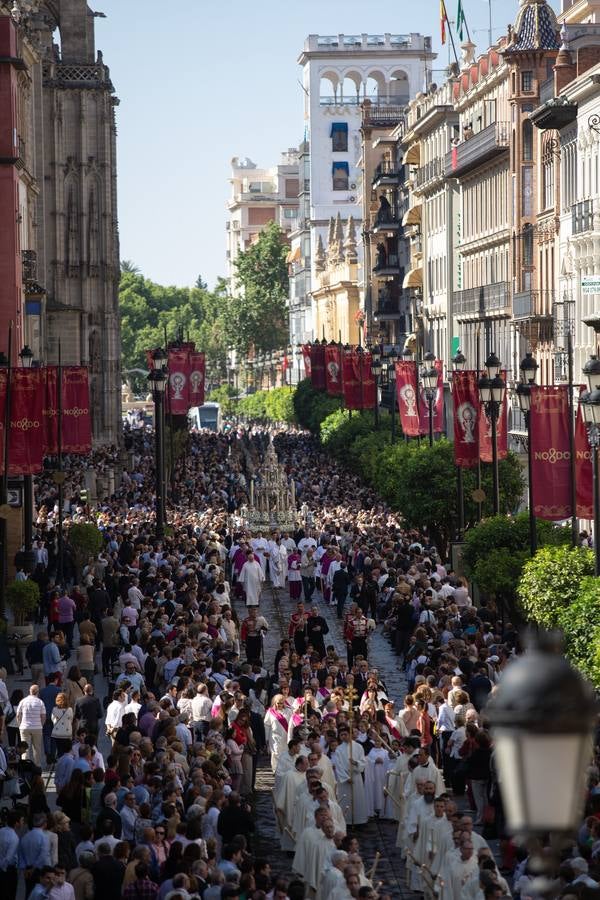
582, 217
533, 305
429, 172
386, 173
485, 301
386, 264
478, 148
387, 219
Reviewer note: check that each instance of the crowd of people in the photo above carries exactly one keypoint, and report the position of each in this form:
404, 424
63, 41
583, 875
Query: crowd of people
155, 699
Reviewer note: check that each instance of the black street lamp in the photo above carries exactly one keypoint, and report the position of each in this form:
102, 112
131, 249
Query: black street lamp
298, 353
376, 368
26, 357
392, 359
459, 362
429, 377
529, 369
590, 407
158, 383
542, 718
491, 395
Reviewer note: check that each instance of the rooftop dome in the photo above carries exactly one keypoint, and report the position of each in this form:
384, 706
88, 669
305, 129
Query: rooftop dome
536, 28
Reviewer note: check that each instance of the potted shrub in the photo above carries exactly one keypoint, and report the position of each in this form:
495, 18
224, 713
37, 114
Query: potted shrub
22, 598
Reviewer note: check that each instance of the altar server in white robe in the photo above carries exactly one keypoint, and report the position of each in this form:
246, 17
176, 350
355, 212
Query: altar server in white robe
317, 759
349, 765
278, 563
395, 801
438, 840
422, 811
285, 800
333, 875
260, 545
312, 834
426, 770
377, 763
276, 728
458, 871
318, 854
251, 579
285, 763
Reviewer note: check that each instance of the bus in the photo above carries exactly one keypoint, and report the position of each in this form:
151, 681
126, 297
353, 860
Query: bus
206, 416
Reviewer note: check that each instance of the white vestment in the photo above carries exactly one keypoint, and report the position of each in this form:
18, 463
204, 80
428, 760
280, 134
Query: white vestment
260, 547
318, 853
419, 849
351, 789
438, 840
284, 805
458, 873
331, 879
375, 772
303, 843
429, 772
251, 579
395, 803
276, 734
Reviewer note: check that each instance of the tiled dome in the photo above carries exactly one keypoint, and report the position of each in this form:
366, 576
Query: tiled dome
536, 28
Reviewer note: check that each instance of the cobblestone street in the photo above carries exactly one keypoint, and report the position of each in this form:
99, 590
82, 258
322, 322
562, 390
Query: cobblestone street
374, 837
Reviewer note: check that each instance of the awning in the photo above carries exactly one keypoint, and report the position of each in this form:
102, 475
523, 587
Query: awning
413, 215
413, 278
412, 157
338, 127
337, 167
294, 255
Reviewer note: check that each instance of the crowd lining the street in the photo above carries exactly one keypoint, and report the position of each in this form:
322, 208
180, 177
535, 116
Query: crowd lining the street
155, 787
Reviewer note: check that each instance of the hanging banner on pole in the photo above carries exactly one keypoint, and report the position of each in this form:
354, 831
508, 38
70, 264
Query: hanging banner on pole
584, 473
76, 419
306, 360
317, 367
197, 378
438, 404
485, 431
550, 452
368, 393
179, 382
351, 377
25, 454
407, 397
333, 370
50, 410
465, 399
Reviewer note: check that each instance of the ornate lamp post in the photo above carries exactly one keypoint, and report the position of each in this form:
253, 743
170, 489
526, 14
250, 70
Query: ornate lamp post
459, 361
376, 368
298, 354
543, 716
590, 407
491, 395
429, 377
529, 369
158, 383
392, 359
26, 357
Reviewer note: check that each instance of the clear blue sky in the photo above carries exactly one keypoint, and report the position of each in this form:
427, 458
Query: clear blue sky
201, 81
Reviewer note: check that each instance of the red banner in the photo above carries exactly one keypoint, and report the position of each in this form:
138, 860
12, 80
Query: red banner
50, 410
306, 360
368, 392
25, 448
584, 478
465, 397
407, 397
438, 404
333, 370
485, 431
351, 379
317, 367
197, 378
76, 419
179, 382
550, 452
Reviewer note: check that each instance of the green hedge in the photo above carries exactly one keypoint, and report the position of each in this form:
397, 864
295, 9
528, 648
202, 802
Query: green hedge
312, 407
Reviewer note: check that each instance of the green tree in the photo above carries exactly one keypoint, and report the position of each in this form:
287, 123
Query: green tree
128, 266
258, 317
580, 623
551, 582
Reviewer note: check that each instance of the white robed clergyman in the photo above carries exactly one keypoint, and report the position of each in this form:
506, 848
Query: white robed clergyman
427, 771
318, 854
377, 762
395, 803
285, 800
348, 773
419, 846
276, 728
458, 869
285, 763
411, 799
261, 547
312, 834
438, 837
333, 875
251, 579
327, 774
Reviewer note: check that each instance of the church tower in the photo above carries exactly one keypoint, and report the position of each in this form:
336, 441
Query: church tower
78, 240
